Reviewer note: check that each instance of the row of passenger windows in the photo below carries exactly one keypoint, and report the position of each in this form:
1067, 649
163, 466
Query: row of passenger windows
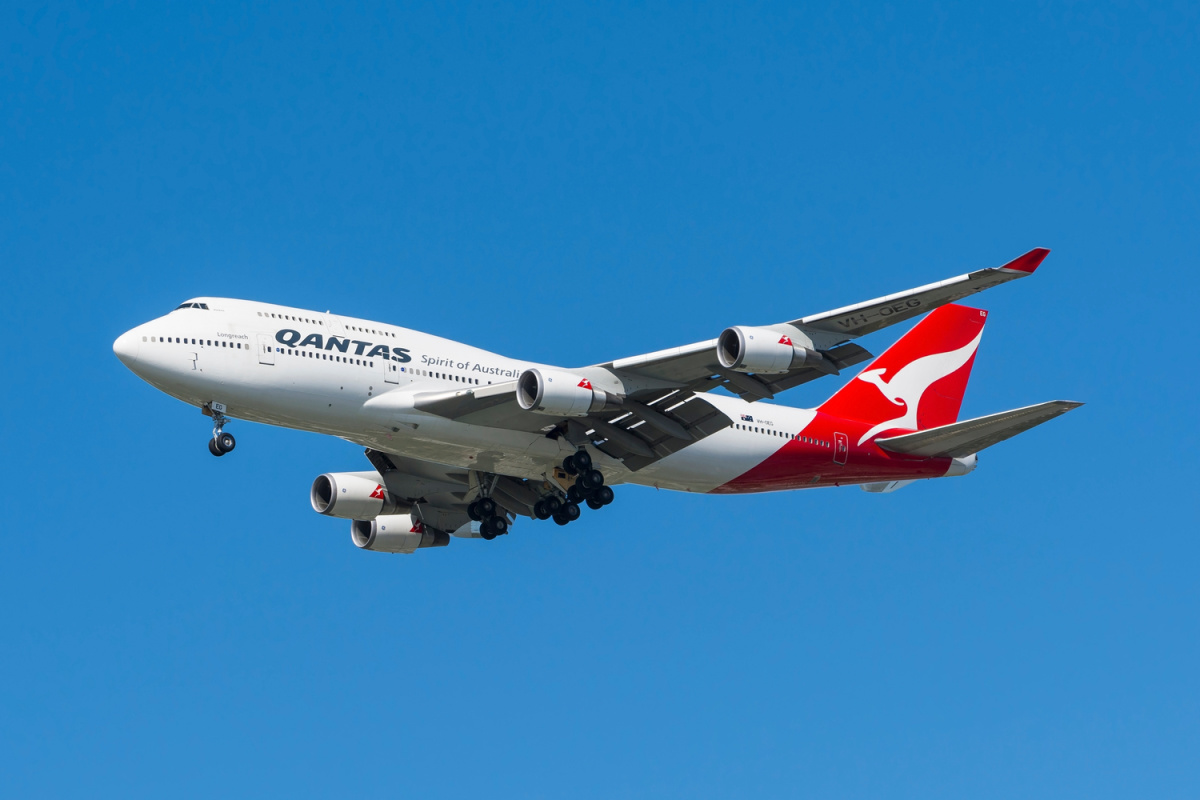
771, 432
292, 318
370, 330
360, 362
200, 342
445, 376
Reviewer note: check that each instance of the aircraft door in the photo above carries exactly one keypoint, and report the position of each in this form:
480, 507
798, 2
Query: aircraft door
266, 349
841, 448
391, 371
191, 359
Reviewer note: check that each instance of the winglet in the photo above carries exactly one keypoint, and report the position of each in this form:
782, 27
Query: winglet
1028, 262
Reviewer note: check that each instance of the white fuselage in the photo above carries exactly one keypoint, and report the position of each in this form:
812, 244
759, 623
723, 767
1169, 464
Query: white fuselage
356, 379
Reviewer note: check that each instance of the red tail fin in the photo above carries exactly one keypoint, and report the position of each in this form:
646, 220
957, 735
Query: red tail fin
919, 381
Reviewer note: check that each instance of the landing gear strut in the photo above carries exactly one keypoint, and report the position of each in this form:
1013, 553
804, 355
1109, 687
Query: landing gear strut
221, 442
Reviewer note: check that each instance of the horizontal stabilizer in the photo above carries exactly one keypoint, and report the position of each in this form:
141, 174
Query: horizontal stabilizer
961, 439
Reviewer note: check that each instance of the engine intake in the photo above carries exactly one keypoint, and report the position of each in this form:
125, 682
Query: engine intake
763, 351
561, 394
353, 495
395, 533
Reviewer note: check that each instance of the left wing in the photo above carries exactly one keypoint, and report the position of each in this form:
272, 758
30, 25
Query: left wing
819, 339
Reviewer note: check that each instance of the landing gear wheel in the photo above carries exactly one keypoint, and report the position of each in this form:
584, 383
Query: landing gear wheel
473, 511
553, 505
576, 494
559, 519
590, 480
499, 525
569, 465
540, 511
485, 507
225, 442
212, 448
604, 495
486, 530
594, 504
570, 511
583, 461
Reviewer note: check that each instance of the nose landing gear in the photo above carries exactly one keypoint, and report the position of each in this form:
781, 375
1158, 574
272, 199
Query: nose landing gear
221, 442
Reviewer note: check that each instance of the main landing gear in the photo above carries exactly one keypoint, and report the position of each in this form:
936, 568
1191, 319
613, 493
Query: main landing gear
588, 488
485, 511
221, 442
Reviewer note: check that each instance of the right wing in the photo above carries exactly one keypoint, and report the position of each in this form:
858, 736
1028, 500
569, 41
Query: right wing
439, 494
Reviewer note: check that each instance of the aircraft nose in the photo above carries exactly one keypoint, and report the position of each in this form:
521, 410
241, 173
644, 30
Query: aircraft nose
126, 347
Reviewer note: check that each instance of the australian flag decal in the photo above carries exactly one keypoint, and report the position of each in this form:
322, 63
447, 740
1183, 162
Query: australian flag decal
747, 418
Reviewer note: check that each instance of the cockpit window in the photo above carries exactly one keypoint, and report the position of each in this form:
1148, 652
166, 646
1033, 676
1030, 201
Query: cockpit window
193, 305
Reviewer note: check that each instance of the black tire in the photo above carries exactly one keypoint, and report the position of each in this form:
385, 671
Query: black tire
212, 448
553, 505
583, 461
594, 504
500, 525
584, 482
576, 494
570, 511
485, 530
559, 519
473, 512
569, 465
226, 442
485, 507
540, 511
596, 476
604, 495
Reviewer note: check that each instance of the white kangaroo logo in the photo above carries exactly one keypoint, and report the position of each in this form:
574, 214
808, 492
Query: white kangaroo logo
911, 381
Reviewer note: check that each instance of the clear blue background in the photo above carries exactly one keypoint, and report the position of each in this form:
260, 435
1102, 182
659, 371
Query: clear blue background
572, 185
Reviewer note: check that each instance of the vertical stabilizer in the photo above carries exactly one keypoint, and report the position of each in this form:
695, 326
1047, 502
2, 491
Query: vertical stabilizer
919, 381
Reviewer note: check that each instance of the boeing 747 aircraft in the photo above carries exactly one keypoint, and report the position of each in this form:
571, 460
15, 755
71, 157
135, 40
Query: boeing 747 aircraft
462, 441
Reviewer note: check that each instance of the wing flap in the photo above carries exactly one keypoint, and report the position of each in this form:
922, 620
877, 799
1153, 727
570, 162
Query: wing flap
961, 439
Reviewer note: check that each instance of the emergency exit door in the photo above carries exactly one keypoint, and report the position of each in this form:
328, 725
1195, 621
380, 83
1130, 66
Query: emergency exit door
841, 448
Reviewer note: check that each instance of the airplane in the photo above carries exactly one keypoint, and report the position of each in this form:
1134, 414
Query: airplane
463, 441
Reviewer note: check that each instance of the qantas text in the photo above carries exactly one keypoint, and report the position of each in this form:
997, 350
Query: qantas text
342, 344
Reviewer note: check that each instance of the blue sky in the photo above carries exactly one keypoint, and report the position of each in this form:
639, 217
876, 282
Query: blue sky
571, 184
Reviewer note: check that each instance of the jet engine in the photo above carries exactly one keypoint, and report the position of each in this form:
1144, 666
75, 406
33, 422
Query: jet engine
763, 351
353, 495
561, 394
395, 533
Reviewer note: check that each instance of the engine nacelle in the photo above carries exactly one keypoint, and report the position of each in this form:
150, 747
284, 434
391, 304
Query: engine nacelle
561, 394
761, 350
353, 495
395, 533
